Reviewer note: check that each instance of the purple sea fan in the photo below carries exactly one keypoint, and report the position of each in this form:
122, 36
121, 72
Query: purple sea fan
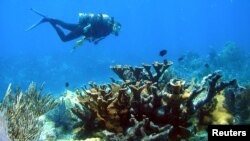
3, 129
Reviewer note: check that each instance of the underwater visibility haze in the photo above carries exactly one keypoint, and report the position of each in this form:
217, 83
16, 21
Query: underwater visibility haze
193, 42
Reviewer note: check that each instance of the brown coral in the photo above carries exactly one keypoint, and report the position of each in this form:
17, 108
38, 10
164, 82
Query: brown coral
110, 104
148, 107
132, 75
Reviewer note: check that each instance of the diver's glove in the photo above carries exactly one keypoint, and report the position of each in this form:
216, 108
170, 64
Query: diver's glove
78, 43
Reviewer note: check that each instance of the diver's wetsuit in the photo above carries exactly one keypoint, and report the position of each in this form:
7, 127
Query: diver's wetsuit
98, 30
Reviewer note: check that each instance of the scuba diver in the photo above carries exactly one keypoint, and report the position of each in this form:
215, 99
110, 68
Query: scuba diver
91, 27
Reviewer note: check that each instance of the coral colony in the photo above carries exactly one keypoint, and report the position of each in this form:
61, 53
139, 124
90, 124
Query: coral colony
147, 104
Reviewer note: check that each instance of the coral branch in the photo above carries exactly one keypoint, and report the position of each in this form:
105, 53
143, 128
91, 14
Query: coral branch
23, 110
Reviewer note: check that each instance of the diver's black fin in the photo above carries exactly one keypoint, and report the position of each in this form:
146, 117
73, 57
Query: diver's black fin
38, 13
35, 25
39, 22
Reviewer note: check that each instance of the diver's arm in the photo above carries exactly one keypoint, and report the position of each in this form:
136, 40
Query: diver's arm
96, 41
86, 28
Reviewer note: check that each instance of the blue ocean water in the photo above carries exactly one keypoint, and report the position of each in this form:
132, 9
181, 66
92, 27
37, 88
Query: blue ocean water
147, 27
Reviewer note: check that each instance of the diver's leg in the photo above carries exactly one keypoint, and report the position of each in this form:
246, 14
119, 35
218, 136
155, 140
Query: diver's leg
64, 25
72, 35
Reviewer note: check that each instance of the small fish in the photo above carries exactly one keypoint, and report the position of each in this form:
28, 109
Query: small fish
66, 84
181, 58
163, 52
207, 65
